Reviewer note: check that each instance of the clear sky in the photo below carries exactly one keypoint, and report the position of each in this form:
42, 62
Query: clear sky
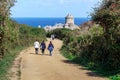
53, 8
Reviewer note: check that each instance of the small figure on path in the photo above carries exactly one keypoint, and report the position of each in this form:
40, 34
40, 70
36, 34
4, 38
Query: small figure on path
50, 48
36, 46
52, 37
43, 46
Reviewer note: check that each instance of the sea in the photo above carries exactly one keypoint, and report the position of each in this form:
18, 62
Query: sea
35, 22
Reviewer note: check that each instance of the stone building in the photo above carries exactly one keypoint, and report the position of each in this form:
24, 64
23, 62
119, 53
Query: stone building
69, 23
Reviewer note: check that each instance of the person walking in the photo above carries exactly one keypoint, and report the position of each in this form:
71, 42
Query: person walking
36, 46
43, 46
50, 48
52, 37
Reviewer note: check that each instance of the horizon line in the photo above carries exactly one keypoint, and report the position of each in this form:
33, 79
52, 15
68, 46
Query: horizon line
48, 17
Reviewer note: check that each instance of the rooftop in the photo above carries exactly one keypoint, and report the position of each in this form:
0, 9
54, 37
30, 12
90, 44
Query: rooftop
69, 16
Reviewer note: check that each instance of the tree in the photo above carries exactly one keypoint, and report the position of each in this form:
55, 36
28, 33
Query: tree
108, 16
5, 6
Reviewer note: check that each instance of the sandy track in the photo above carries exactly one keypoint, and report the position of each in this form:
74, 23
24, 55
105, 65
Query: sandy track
56, 67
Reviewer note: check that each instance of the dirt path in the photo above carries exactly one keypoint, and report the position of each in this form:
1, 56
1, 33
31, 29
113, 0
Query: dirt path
56, 67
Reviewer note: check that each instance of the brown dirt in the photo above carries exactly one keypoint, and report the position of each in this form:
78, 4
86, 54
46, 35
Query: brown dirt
14, 72
56, 67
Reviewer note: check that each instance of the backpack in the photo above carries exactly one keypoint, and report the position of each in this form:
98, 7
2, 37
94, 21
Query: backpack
50, 48
42, 46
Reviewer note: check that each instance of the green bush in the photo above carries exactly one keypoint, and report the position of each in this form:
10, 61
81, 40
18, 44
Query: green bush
27, 35
116, 77
59, 33
100, 47
12, 36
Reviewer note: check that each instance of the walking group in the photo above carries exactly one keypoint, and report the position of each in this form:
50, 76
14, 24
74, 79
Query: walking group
42, 47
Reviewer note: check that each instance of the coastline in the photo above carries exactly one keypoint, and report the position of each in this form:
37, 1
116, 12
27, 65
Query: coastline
44, 21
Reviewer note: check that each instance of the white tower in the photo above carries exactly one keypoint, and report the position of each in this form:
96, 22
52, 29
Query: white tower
69, 19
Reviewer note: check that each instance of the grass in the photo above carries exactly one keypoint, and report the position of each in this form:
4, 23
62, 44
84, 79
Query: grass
66, 54
90, 66
115, 77
7, 61
19, 71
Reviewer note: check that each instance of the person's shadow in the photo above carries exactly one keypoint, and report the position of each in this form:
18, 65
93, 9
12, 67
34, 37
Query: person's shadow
40, 54
35, 54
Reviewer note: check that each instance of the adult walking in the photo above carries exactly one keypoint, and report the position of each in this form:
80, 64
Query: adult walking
52, 37
50, 48
43, 46
36, 46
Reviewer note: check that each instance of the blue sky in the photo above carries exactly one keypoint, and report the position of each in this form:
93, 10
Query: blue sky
53, 8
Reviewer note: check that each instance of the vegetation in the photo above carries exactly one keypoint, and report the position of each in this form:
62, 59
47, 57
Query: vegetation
6, 62
108, 16
14, 37
59, 33
28, 35
99, 48
5, 6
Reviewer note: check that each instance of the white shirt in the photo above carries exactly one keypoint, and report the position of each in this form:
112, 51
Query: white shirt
36, 44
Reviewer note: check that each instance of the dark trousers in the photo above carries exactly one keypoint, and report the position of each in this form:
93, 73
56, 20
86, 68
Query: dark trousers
50, 52
43, 51
36, 50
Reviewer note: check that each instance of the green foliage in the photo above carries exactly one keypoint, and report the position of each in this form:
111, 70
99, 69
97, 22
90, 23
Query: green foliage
28, 35
13, 35
59, 33
94, 50
116, 77
7, 61
16, 35
107, 14
99, 49
5, 6
108, 51
66, 53
96, 31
